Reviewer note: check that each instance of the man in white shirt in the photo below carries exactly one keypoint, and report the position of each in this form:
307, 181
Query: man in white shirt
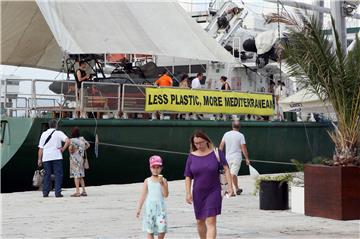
235, 144
280, 93
195, 83
50, 155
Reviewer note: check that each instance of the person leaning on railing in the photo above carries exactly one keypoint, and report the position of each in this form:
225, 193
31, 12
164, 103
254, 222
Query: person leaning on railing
184, 83
81, 75
224, 84
164, 80
195, 84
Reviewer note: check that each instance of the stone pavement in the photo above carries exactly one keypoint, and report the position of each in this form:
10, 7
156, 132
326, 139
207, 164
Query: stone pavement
109, 212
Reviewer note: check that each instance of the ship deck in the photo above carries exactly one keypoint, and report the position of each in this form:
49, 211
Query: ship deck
109, 212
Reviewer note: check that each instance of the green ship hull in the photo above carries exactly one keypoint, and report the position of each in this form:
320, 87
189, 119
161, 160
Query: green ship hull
125, 146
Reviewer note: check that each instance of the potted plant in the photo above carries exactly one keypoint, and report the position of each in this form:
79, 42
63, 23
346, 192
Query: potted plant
322, 66
273, 191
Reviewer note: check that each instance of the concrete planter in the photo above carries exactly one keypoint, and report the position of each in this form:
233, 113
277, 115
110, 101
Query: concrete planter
332, 192
297, 199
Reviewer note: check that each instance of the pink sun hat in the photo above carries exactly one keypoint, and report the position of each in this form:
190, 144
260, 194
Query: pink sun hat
155, 160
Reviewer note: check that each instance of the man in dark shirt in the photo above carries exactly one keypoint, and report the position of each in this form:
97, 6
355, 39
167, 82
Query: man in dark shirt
81, 75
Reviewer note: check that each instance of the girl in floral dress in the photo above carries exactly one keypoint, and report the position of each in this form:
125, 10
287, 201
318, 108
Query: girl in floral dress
155, 189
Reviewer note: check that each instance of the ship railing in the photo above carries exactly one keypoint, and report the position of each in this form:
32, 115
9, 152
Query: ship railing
32, 98
14, 104
96, 97
133, 98
100, 97
45, 102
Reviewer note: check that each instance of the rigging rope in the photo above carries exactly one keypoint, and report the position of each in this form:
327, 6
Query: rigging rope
278, 12
175, 152
278, 28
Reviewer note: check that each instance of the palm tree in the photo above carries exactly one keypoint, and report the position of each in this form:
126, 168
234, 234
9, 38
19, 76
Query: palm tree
332, 74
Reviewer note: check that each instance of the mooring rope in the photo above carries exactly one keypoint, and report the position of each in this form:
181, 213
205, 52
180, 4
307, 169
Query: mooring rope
179, 153
141, 148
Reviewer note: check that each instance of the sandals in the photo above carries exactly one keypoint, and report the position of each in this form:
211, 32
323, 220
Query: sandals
84, 194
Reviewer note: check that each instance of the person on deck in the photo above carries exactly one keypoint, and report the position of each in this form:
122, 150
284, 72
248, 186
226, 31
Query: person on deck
280, 93
224, 84
164, 80
81, 75
184, 83
195, 83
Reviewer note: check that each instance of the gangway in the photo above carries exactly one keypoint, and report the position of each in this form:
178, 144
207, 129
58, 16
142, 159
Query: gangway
213, 26
225, 18
234, 27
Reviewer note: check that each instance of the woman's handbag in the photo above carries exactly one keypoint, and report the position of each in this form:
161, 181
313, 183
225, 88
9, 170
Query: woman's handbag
86, 161
38, 177
222, 177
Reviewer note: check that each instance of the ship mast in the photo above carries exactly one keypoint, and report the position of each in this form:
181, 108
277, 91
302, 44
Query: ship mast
339, 11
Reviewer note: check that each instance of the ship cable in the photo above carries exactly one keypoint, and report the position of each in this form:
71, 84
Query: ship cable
278, 29
175, 152
61, 105
308, 140
93, 92
96, 148
278, 12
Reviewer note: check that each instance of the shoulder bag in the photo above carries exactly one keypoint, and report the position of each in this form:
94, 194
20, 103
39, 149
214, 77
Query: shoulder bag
48, 138
222, 177
86, 161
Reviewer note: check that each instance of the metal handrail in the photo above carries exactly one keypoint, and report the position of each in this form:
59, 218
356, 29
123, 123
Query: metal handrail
124, 97
32, 95
87, 99
124, 100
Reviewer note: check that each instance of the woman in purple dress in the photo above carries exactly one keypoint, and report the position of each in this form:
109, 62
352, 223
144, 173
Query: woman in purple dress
203, 166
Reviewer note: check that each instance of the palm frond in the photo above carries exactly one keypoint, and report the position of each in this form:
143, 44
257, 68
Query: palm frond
331, 73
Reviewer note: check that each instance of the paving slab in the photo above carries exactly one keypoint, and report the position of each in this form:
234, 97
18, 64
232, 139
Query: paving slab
109, 212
